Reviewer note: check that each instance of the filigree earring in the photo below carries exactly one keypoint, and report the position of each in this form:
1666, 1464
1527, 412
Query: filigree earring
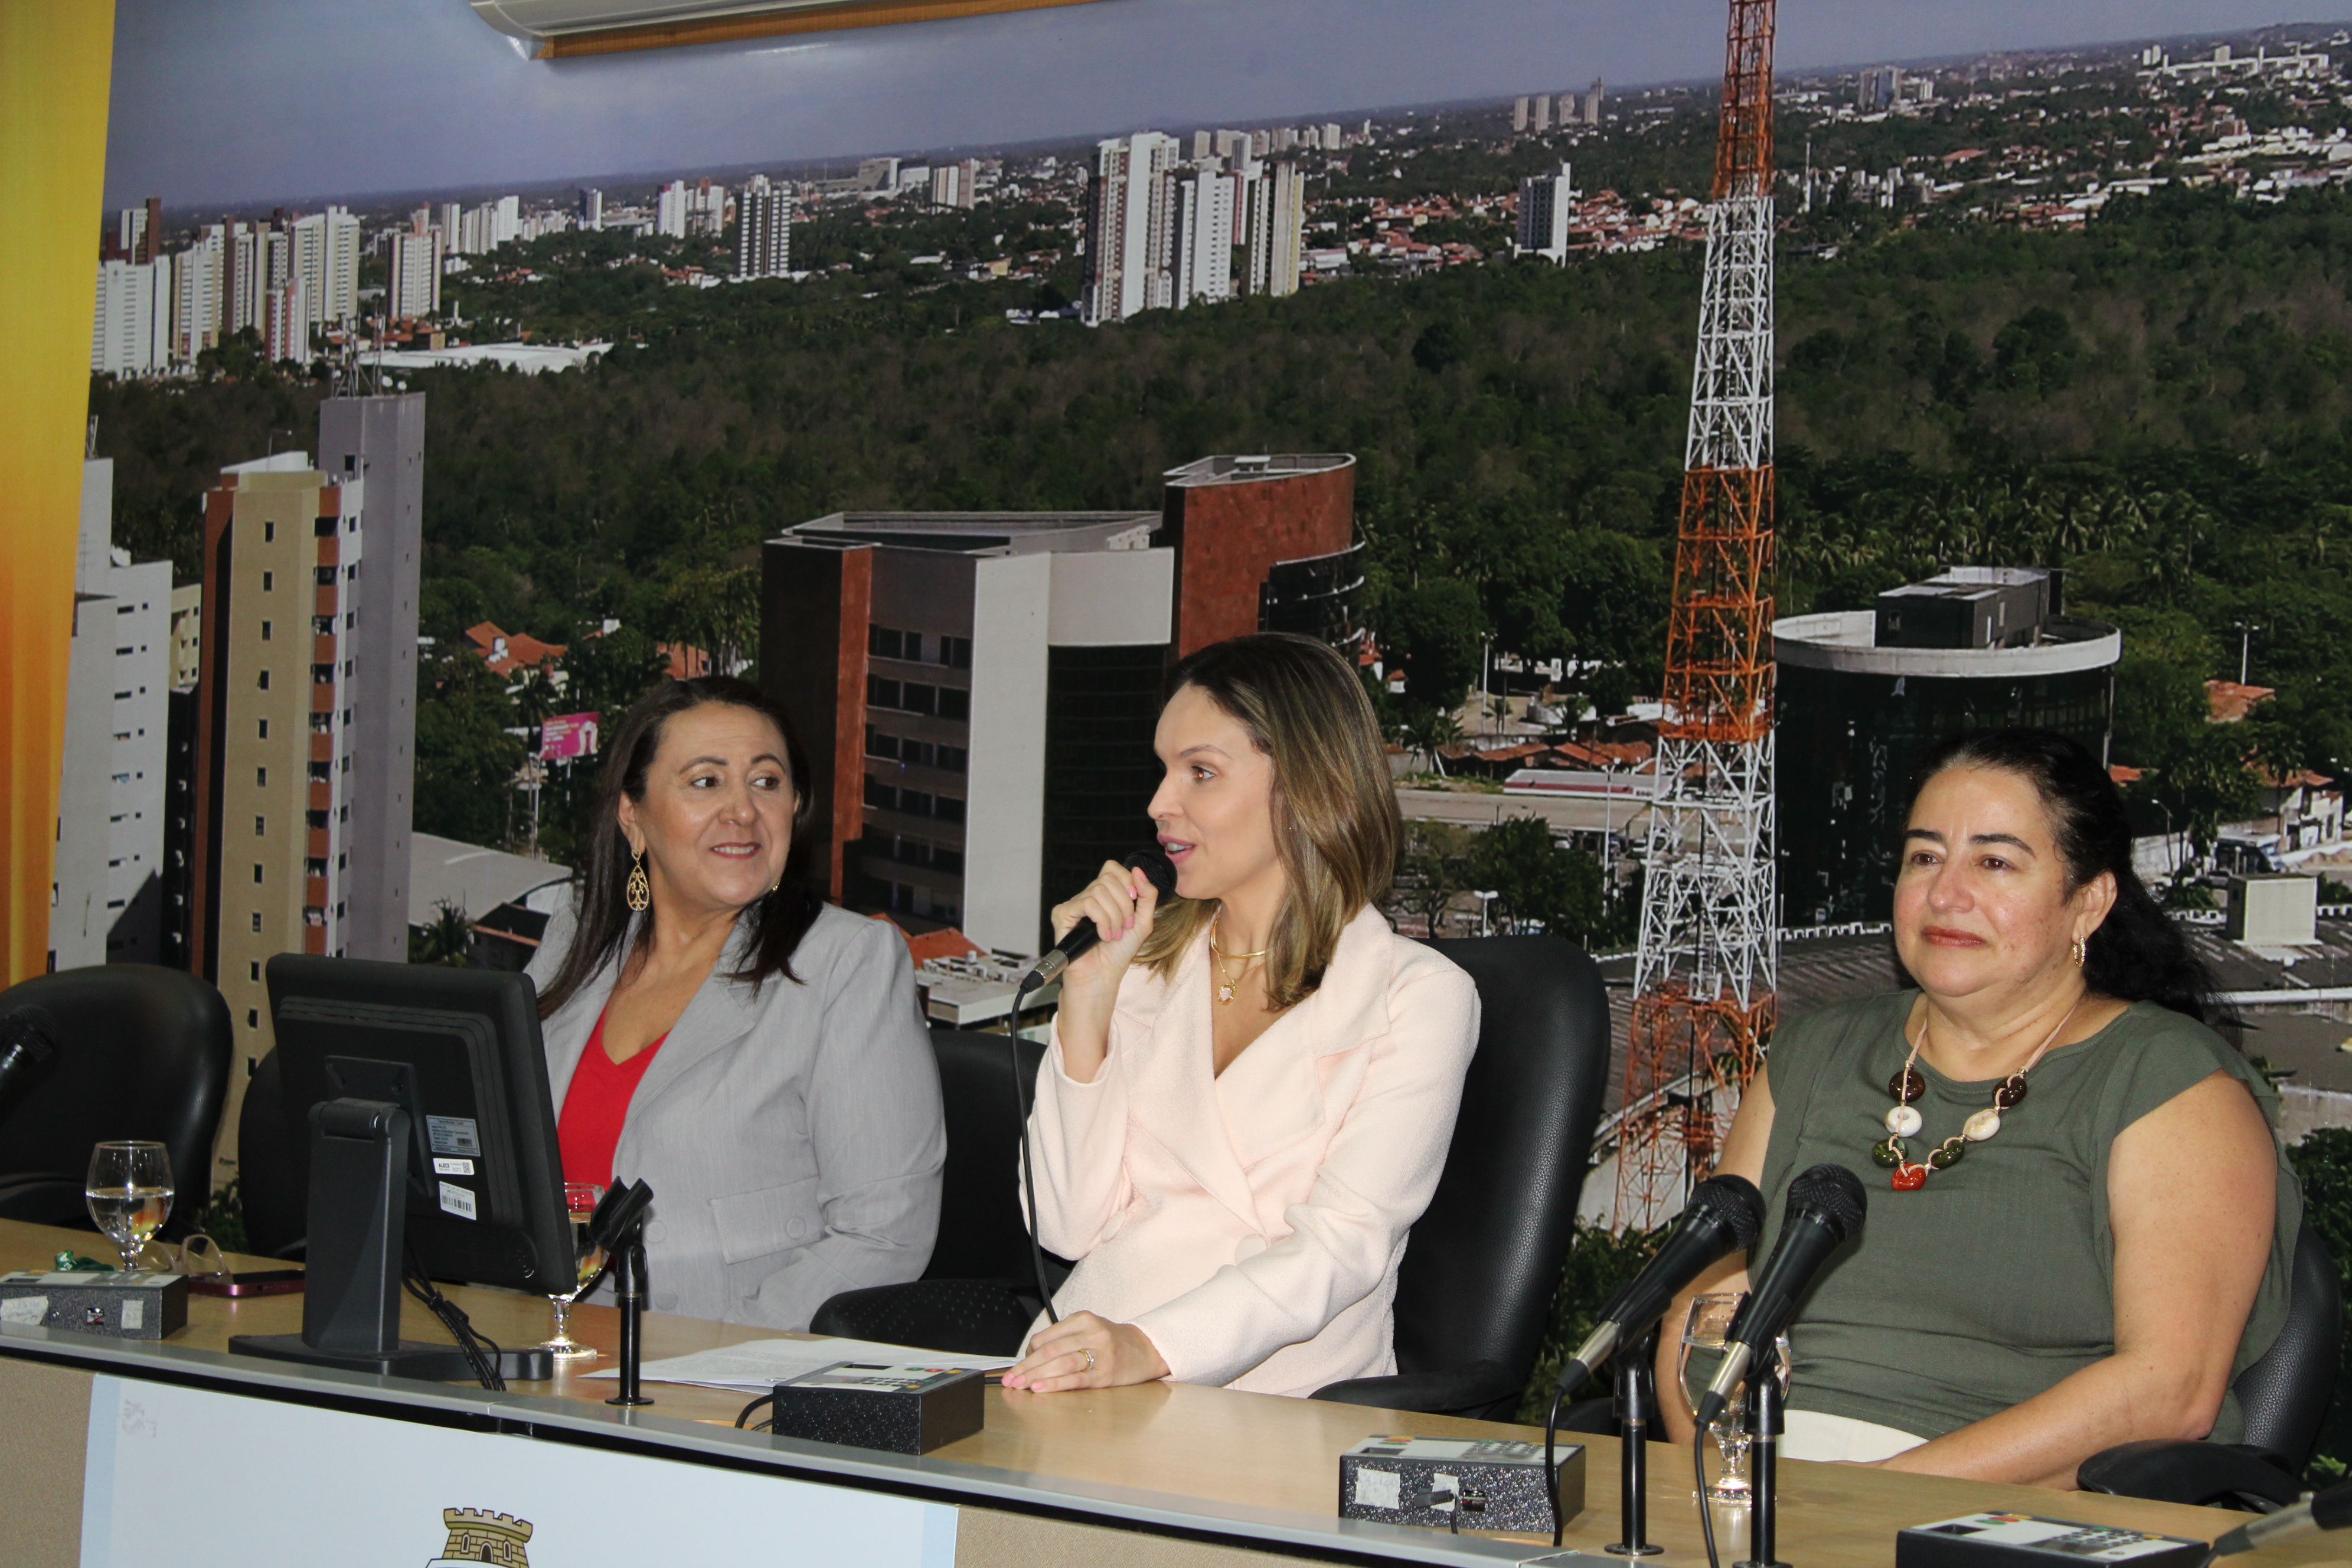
640, 891
2081, 952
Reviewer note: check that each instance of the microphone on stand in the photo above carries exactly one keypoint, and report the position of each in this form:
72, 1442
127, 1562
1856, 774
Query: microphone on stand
2330, 1509
1155, 865
1825, 1210
1724, 1215
27, 1045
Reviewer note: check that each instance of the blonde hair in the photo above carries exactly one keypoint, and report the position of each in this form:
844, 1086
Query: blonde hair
1336, 824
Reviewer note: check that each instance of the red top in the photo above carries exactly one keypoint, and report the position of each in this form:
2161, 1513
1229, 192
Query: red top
595, 1106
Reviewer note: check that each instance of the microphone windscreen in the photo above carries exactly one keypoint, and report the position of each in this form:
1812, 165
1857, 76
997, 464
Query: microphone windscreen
1832, 1192
1157, 868
1735, 1202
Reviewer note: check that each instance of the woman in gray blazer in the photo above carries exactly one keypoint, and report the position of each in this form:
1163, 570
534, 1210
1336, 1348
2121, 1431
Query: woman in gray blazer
715, 1030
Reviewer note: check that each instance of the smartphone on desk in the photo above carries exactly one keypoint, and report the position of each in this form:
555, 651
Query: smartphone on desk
253, 1282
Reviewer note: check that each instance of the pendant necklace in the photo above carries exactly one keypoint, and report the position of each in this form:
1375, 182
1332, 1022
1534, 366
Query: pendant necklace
1904, 1120
1224, 976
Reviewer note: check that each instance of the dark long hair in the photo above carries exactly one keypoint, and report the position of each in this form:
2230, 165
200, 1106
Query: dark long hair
2139, 953
600, 898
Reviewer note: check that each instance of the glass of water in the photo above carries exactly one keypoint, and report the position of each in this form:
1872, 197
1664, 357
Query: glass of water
1704, 1333
581, 1199
128, 1190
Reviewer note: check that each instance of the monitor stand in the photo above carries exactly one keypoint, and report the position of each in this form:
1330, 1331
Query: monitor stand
350, 1303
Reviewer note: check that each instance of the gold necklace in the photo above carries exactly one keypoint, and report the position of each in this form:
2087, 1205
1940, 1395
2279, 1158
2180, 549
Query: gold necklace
1226, 989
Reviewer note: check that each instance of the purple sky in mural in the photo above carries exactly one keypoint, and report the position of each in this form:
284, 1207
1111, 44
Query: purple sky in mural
245, 102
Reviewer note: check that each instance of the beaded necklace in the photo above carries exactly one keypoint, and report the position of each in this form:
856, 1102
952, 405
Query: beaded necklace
1904, 1120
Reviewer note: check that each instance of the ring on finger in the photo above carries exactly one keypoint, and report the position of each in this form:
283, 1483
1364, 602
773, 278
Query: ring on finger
1090, 1360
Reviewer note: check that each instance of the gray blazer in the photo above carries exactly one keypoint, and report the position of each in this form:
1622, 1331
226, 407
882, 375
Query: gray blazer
791, 1134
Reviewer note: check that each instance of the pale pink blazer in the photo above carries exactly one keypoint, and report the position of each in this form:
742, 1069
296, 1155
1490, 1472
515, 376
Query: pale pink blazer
1251, 1224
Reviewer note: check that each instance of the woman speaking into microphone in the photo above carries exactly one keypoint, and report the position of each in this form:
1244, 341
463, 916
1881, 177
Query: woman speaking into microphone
1251, 1087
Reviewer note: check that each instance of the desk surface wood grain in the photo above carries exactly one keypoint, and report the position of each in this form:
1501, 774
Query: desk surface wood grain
1254, 1449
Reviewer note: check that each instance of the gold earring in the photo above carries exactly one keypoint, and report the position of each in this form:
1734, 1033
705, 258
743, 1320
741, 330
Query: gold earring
2081, 952
640, 891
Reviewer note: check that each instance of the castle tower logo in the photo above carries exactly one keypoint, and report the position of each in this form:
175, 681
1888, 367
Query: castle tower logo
478, 1537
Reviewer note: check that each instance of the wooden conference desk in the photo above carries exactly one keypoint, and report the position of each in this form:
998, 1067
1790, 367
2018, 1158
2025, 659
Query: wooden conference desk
1158, 1477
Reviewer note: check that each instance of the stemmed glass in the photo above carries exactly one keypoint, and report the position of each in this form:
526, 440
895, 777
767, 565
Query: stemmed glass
580, 1199
1704, 1333
128, 1190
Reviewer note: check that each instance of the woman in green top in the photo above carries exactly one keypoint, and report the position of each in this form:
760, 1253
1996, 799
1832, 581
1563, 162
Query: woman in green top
2080, 1219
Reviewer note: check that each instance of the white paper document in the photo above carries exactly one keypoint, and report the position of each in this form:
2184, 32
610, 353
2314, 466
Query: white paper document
759, 1364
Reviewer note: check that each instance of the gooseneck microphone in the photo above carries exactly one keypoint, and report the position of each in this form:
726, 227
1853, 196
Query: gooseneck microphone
1724, 1215
1825, 1211
28, 1043
2330, 1509
1155, 865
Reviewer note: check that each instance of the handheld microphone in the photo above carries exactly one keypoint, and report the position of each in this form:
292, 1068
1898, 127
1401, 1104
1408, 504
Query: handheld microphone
1724, 1215
2330, 1509
27, 1044
1825, 1210
1158, 868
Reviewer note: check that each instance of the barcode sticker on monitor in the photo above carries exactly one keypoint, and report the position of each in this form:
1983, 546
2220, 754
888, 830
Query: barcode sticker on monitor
452, 1167
459, 1135
456, 1200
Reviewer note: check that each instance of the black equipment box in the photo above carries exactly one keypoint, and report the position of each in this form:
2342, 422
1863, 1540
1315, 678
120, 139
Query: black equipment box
134, 1305
900, 1409
1457, 1483
2029, 1540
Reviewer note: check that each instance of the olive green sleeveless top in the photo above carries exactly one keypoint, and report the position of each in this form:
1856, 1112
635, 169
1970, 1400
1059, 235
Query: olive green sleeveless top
1995, 1279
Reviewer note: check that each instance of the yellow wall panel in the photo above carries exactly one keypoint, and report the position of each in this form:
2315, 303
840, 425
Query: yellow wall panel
56, 63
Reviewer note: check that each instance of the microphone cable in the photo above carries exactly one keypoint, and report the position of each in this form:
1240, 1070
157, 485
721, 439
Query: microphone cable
1022, 1102
1551, 1464
1706, 1514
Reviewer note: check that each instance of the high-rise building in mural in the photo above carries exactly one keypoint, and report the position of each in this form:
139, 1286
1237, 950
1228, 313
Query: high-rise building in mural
1546, 202
106, 892
412, 283
326, 261
303, 755
669, 210
130, 329
1202, 259
1127, 203
763, 230
1278, 229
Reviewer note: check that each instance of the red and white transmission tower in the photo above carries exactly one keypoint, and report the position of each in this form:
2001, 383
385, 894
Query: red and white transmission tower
1704, 973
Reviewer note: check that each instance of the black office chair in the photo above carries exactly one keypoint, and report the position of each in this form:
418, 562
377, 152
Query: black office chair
1475, 1289
2285, 1395
272, 1173
978, 1297
141, 1052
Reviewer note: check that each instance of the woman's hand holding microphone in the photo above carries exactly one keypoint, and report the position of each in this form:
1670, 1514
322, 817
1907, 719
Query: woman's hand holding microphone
1121, 902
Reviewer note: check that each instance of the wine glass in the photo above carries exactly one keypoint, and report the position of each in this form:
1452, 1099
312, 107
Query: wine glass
579, 1200
1704, 1333
130, 1193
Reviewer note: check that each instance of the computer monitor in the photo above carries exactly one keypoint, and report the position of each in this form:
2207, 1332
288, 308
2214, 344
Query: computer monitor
467, 1179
